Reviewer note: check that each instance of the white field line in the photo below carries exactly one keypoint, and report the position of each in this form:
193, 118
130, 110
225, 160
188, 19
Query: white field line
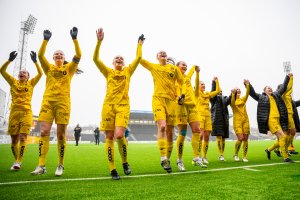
145, 175
250, 169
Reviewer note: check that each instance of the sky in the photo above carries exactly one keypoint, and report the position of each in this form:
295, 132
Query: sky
230, 39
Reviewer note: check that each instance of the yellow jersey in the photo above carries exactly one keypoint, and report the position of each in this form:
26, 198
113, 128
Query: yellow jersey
58, 78
238, 105
21, 93
117, 80
287, 97
164, 78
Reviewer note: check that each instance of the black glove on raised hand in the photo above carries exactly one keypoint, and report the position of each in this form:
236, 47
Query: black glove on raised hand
33, 56
181, 99
12, 56
74, 32
141, 37
47, 35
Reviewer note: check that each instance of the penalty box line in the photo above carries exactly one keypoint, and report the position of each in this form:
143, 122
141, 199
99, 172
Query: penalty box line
145, 175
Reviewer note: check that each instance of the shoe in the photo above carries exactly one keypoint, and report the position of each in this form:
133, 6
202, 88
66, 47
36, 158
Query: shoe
268, 154
166, 165
126, 168
180, 166
293, 152
59, 170
198, 162
39, 170
245, 160
288, 160
114, 175
236, 158
204, 160
289, 154
221, 158
16, 166
277, 152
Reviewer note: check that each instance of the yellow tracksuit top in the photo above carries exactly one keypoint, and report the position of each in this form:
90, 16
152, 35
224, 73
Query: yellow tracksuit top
287, 98
58, 78
189, 94
164, 78
202, 98
274, 112
238, 106
117, 80
21, 93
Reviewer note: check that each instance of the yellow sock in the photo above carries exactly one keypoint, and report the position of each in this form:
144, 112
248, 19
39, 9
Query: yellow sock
15, 150
61, 150
223, 145
204, 148
283, 147
169, 149
43, 149
195, 144
291, 147
290, 144
274, 146
122, 146
22, 148
200, 147
245, 149
237, 147
162, 147
219, 144
110, 153
180, 146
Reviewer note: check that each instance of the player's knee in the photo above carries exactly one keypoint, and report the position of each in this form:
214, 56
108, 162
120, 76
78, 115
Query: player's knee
162, 128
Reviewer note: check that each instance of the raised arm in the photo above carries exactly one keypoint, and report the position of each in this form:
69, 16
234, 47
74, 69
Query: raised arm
197, 80
282, 89
36, 79
252, 93
227, 100
213, 88
5, 75
297, 103
217, 91
101, 66
77, 56
289, 89
132, 67
246, 83
191, 72
44, 62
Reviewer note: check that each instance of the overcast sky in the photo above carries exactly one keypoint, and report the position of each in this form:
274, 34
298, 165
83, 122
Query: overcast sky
233, 40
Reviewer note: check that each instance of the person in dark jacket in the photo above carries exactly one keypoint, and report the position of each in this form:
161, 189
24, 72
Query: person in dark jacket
295, 104
272, 115
77, 133
220, 119
97, 135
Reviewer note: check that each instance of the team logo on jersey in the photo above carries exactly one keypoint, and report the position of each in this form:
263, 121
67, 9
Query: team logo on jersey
64, 73
171, 75
26, 90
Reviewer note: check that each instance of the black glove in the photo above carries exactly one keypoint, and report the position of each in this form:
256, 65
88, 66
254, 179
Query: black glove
47, 35
181, 99
74, 32
12, 56
141, 37
33, 56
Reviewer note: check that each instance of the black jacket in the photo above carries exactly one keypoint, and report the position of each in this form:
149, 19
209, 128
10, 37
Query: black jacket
219, 114
296, 115
263, 107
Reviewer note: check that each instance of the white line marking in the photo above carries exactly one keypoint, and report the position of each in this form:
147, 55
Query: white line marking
250, 169
145, 175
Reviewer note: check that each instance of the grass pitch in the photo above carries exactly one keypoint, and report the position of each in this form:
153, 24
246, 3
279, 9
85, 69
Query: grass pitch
86, 175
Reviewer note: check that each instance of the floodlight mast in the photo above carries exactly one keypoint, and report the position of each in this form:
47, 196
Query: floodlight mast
27, 27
